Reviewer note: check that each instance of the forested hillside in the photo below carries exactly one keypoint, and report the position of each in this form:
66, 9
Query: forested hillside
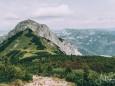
82, 70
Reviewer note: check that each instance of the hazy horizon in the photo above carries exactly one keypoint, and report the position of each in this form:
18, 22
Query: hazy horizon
4, 32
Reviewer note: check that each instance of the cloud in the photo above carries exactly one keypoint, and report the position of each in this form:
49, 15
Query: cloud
40, 12
52, 12
58, 14
11, 16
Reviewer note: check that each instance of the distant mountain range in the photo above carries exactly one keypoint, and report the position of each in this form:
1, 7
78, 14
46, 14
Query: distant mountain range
30, 38
91, 41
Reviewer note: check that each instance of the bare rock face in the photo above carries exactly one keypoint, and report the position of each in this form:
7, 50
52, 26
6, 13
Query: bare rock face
42, 30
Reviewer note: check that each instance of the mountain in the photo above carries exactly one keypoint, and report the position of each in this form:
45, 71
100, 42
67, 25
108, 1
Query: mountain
91, 41
1, 39
30, 38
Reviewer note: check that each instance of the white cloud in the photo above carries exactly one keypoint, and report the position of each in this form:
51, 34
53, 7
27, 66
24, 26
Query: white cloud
17, 11
52, 12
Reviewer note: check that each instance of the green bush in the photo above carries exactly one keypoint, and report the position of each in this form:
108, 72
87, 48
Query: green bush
48, 70
8, 73
58, 70
27, 76
86, 73
17, 82
70, 77
68, 70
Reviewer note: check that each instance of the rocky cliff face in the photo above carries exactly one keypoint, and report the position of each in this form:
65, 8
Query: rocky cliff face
42, 30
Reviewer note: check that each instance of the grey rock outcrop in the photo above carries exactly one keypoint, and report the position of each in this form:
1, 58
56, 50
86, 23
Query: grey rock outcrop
43, 31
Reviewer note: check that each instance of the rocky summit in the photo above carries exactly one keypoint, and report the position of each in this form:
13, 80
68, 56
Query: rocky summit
41, 31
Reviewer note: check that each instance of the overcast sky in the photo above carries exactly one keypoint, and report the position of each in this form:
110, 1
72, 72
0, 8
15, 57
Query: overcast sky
58, 14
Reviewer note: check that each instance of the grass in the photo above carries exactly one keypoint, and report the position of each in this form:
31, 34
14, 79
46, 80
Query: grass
4, 85
29, 45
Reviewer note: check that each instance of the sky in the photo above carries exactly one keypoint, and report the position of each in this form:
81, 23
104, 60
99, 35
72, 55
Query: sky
58, 14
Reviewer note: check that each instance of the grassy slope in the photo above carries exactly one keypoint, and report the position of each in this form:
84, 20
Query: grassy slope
26, 44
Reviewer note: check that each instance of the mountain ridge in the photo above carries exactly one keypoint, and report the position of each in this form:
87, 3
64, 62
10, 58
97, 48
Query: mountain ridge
43, 30
90, 41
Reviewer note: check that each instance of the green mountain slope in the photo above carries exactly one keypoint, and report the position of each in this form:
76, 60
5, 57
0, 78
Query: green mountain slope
26, 44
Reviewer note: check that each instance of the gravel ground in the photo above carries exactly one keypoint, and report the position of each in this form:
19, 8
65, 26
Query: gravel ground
48, 81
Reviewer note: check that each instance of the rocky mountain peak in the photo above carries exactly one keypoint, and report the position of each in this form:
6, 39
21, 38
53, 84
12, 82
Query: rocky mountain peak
34, 26
42, 30
29, 23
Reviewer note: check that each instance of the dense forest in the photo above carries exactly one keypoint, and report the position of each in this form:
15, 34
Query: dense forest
82, 70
